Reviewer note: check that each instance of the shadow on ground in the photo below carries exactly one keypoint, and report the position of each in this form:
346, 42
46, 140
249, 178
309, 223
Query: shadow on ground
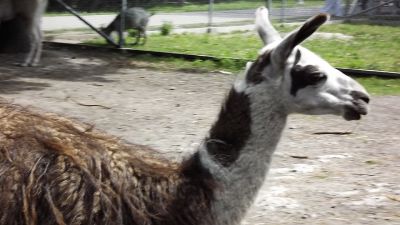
57, 64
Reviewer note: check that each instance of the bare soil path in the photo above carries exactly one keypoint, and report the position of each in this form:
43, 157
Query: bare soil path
325, 171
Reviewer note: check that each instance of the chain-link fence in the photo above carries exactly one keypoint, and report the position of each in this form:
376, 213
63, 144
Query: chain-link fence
375, 9
202, 15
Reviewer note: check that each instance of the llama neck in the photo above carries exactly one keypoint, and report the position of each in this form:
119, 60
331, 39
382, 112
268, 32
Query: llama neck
239, 148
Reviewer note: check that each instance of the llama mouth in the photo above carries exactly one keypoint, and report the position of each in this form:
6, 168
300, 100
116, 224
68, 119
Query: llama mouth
356, 110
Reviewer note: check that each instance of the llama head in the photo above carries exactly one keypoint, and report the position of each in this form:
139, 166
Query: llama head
305, 82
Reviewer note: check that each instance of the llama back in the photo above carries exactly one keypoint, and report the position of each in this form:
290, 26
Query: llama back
57, 171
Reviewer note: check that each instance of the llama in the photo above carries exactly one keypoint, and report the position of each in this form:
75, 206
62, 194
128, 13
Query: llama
57, 171
135, 18
30, 12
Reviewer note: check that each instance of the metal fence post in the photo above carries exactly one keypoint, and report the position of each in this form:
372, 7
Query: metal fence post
283, 7
210, 15
122, 25
269, 6
75, 13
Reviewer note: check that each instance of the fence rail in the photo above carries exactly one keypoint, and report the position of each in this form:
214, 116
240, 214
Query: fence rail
135, 52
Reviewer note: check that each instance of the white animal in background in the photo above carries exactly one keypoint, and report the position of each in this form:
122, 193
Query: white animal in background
30, 13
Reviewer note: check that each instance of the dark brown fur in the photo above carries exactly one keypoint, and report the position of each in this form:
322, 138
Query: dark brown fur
57, 171
303, 76
308, 28
255, 72
232, 129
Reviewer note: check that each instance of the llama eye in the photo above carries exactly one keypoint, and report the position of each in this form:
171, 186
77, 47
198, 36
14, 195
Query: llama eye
315, 78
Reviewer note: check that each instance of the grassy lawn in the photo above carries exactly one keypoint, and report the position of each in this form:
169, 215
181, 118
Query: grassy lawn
233, 5
379, 86
372, 47
218, 6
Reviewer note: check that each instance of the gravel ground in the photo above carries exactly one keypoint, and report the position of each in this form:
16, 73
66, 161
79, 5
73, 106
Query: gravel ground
325, 171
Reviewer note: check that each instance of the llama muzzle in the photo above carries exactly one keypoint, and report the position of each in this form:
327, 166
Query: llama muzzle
359, 106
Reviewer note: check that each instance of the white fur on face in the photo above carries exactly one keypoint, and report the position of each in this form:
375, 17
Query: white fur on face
336, 93
328, 97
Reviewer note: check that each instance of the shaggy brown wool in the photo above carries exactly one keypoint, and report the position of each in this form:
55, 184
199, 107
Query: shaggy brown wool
57, 171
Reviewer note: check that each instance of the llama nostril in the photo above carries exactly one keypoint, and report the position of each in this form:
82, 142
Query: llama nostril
360, 95
365, 99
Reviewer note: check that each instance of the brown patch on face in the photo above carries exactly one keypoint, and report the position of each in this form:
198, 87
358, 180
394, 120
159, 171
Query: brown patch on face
297, 58
303, 76
232, 129
254, 74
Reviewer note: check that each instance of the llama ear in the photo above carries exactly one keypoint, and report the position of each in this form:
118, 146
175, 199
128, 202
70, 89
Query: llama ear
285, 48
267, 32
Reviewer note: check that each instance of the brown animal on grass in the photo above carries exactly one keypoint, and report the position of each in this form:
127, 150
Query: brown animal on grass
57, 171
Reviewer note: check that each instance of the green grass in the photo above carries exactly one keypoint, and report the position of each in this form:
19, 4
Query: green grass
380, 86
218, 6
164, 63
372, 47
231, 45
233, 5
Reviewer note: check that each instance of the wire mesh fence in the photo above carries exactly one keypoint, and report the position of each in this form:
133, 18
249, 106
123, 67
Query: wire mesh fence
203, 15
282, 9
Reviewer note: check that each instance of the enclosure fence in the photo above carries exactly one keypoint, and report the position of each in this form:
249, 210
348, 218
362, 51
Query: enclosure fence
195, 14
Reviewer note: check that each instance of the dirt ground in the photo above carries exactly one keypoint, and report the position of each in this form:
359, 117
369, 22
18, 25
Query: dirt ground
331, 178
